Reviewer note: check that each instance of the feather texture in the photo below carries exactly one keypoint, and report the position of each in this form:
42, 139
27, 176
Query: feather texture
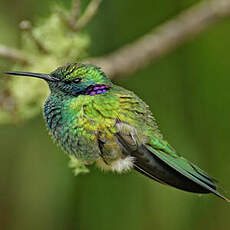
97, 121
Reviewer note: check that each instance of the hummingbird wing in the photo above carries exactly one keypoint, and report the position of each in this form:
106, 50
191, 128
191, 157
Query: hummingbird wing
170, 169
139, 136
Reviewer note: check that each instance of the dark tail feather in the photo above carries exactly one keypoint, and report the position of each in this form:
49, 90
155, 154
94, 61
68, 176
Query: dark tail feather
170, 170
155, 168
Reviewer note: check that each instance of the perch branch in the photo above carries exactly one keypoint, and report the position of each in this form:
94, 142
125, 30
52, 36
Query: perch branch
13, 55
164, 39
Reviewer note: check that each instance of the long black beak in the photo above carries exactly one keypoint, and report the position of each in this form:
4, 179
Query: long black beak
46, 77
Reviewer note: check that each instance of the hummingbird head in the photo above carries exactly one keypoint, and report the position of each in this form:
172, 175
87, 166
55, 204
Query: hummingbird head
74, 79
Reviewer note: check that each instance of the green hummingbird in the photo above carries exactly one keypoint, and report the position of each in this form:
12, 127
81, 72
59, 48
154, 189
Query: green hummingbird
98, 121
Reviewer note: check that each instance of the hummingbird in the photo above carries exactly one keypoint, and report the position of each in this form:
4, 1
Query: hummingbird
99, 122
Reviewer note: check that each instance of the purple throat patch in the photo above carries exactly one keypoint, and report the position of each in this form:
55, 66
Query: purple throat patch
97, 89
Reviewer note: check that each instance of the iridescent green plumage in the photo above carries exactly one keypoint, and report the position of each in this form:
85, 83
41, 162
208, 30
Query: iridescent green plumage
97, 121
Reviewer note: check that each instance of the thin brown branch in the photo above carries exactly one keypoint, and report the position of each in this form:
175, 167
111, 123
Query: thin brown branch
76, 22
75, 12
13, 55
76, 8
27, 27
70, 20
164, 39
89, 13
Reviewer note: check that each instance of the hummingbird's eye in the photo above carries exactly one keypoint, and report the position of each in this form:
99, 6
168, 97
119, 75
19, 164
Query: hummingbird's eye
77, 80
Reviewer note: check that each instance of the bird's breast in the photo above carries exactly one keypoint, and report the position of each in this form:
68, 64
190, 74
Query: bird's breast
80, 123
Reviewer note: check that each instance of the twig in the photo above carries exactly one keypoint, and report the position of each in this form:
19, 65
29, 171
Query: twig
90, 11
164, 39
76, 22
75, 12
13, 55
70, 20
27, 27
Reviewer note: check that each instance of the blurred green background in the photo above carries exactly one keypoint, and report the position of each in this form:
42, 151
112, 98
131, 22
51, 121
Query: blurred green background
188, 91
